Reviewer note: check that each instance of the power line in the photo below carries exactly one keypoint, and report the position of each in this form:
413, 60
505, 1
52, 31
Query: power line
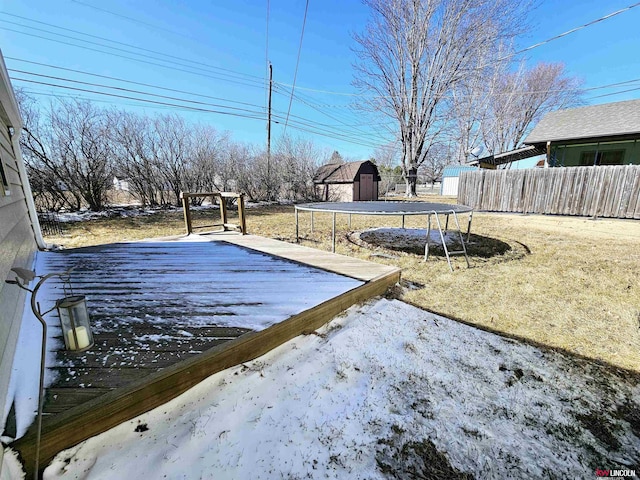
298, 126
615, 93
132, 19
531, 47
172, 67
138, 99
128, 90
172, 58
359, 132
163, 54
73, 70
150, 94
295, 75
266, 60
573, 30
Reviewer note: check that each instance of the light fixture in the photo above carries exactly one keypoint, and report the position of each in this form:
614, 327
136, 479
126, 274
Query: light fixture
74, 321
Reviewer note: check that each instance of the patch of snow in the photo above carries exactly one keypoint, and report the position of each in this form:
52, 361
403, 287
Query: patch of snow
412, 235
155, 338
385, 376
11, 468
25, 373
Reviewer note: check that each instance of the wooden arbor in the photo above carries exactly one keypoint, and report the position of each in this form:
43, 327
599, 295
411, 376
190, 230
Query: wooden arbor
222, 197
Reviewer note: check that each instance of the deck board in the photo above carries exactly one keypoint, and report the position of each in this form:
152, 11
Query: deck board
331, 262
155, 304
168, 314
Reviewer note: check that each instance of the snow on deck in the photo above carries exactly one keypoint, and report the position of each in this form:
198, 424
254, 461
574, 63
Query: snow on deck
153, 304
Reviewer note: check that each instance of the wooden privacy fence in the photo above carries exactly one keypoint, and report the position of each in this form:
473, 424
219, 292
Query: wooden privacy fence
601, 191
222, 200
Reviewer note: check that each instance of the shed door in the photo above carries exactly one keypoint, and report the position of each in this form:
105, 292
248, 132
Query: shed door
366, 186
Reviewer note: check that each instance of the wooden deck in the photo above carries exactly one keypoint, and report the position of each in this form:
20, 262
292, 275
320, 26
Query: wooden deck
168, 314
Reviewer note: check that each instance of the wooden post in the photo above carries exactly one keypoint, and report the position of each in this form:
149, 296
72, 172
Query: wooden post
187, 212
333, 233
223, 211
243, 222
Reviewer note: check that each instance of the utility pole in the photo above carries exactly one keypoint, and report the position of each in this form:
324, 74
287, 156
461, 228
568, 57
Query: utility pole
269, 130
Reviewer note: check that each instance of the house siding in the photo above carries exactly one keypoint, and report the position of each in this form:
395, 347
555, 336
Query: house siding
17, 249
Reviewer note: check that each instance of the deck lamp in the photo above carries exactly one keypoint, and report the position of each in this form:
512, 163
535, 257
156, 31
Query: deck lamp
74, 320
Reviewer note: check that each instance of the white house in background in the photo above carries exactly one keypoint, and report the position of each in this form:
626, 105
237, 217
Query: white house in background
120, 184
19, 230
450, 178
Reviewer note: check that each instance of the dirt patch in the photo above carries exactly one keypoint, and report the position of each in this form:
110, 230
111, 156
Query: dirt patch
401, 459
412, 241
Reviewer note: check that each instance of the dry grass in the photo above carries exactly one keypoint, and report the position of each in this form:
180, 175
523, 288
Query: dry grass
569, 283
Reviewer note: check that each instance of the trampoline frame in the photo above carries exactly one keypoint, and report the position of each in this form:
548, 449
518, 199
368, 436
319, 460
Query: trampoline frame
426, 208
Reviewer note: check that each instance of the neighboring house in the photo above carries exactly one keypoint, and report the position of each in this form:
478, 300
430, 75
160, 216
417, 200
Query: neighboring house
596, 135
347, 182
451, 177
120, 184
19, 229
606, 134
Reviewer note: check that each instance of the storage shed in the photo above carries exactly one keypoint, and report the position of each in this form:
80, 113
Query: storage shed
347, 182
450, 177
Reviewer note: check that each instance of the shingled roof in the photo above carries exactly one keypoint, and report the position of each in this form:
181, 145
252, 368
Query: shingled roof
607, 120
338, 172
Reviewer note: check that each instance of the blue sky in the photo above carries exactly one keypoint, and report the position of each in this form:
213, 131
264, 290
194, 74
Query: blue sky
227, 39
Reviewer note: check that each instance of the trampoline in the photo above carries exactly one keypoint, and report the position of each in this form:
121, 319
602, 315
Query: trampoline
437, 210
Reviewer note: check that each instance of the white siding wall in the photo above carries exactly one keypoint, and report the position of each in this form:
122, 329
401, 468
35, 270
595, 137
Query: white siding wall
17, 247
450, 186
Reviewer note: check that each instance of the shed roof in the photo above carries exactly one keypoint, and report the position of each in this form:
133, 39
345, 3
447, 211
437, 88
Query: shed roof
455, 170
338, 172
606, 120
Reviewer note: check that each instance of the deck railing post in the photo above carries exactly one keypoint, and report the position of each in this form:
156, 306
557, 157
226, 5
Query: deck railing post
223, 211
187, 212
243, 221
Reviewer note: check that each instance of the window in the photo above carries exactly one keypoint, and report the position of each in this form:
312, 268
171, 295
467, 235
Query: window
587, 159
610, 157
4, 189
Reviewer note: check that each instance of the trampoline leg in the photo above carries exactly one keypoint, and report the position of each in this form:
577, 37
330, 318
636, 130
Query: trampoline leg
403, 222
469, 226
333, 233
297, 230
444, 243
311, 222
426, 245
446, 224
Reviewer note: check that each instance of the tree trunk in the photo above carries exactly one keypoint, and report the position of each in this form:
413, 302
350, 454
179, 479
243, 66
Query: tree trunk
411, 180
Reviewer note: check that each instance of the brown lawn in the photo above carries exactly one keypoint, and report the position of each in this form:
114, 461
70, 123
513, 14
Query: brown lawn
565, 282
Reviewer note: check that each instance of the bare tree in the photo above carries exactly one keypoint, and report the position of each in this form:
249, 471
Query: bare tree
413, 54
387, 159
134, 144
68, 153
298, 160
521, 98
172, 152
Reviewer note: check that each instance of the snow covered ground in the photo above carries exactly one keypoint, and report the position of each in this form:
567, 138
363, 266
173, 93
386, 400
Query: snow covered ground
385, 391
